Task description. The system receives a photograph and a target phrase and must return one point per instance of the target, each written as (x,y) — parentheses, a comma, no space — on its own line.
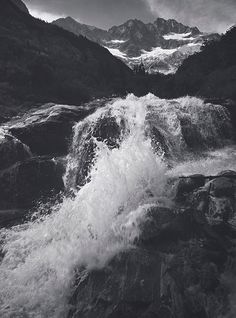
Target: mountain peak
(173,26)
(161,45)
(70,19)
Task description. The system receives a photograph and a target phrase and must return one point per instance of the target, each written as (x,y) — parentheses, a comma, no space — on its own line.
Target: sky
(207,15)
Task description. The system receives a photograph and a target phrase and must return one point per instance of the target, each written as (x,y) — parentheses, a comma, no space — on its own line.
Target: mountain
(161,46)
(212,72)
(41,62)
(20,4)
(88,31)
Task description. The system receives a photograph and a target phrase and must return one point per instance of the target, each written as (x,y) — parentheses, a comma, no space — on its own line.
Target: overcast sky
(208,15)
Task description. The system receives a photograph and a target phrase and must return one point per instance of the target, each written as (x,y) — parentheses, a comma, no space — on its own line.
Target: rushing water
(120,160)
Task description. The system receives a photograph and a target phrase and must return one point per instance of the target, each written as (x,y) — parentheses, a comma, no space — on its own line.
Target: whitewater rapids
(156,139)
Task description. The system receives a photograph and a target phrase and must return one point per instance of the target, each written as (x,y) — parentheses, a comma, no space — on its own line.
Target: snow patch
(117,53)
(156,52)
(179,36)
(116,41)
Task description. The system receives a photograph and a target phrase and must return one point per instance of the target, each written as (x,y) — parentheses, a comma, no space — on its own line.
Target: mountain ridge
(40,62)
(21,5)
(135,41)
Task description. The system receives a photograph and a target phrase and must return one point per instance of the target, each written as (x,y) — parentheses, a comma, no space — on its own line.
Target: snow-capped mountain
(161,46)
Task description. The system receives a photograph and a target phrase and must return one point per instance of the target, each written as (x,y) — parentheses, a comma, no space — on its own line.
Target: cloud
(46,16)
(208,15)
(101,13)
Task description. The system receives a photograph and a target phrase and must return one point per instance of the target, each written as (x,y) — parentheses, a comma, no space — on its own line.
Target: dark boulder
(156,226)
(175,268)
(216,199)
(228,173)
(160,277)
(23,184)
(84,147)
(48,130)
(124,289)
(222,187)
(11,151)
(191,134)
(187,185)
(9,218)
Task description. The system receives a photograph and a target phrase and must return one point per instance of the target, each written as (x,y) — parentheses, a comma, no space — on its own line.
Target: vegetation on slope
(40,62)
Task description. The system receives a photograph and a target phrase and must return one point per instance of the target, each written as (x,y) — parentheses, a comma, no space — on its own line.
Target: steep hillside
(41,62)
(20,4)
(90,32)
(161,46)
(212,72)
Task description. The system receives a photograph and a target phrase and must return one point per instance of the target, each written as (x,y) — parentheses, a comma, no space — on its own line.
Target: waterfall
(117,168)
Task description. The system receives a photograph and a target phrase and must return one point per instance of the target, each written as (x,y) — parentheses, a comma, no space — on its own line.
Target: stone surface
(187,185)
(9,218)
(175,268)
(23,184)
(126,288)
(12,151)
(47,130)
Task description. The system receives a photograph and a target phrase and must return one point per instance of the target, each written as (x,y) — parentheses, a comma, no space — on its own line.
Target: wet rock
(9,218)
(199,201)
(222,187)
(191,134)
(11,151)
(156,225)
(221,209)
(187,185)
(47,131)
(190,283)
(217,199)
(160,141)
(23,184)
(227,173)
(164,228)
(108,130)
(84,147)
(124,289)
(177,278)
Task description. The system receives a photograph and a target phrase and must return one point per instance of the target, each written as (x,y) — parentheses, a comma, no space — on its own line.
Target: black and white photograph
(117,158)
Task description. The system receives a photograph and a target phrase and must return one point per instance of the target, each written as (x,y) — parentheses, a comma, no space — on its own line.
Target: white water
(103,218)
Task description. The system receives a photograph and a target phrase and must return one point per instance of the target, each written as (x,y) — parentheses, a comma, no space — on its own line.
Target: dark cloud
(101,13)
(208,15)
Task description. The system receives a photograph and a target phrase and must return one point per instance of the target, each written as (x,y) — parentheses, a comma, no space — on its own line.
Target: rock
(227,173)
(221,209)
(23,184)
(217,199)
(11,151)
(190,282)
(124,289)
(191,134)
(9,218)
(222,187)
(47,131)
(156,225)
(178,279)
(199,201)
(108,130)
(83,150)
(187,185)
